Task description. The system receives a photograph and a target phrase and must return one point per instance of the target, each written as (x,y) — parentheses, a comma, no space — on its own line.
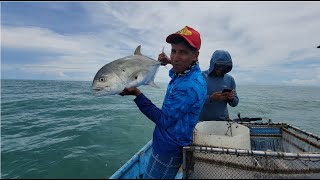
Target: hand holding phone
(226,90)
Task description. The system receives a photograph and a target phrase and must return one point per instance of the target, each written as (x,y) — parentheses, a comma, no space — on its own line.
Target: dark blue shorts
(162,167)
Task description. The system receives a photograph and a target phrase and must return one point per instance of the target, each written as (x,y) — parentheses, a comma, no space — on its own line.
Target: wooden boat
(278,150)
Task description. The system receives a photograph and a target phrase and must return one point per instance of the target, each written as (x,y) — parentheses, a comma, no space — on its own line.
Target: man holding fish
(184,99)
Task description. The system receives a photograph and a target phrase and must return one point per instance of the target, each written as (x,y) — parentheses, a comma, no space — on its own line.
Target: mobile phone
(226,90)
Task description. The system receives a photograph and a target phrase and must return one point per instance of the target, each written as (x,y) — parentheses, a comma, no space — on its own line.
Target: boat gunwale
(131,162)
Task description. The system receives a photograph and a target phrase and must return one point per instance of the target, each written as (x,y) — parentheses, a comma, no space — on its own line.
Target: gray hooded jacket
(217,110)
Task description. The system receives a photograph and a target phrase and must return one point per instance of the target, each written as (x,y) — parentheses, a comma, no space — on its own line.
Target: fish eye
(123,70)
(101,79)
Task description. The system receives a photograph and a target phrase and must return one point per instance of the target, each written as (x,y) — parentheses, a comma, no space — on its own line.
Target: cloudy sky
(270,42)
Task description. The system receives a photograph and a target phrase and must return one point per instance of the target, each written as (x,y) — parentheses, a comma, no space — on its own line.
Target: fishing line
(262,112)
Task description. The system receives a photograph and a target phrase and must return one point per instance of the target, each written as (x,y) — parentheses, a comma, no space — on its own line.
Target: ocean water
(58,129)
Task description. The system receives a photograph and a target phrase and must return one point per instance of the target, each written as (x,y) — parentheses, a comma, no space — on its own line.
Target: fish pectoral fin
(135,76)
(154,85)
(138,76)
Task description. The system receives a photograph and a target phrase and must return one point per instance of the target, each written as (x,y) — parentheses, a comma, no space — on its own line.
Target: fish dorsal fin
(138,51)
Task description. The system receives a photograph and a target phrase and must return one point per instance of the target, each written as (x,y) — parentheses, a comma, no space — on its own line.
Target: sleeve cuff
(139,98)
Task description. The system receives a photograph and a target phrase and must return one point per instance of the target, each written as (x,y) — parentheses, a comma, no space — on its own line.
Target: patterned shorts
(162,167)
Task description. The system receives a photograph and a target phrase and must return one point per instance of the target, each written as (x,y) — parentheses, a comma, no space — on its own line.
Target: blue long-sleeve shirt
(217,110)
(180,111)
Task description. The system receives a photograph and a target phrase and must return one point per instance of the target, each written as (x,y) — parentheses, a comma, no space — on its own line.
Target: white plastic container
(222,134)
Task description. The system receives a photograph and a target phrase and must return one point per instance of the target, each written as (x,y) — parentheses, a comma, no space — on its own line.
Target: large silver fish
(126,72)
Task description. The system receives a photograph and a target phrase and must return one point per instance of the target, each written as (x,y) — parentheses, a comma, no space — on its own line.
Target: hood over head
(221,57)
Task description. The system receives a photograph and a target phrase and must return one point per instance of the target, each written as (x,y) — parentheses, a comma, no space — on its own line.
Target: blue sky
(270,42)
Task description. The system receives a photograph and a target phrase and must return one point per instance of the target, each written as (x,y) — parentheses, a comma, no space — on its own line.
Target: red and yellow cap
(189,34)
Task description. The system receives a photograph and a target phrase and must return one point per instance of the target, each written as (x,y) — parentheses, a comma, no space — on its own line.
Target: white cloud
(86,53)
(43,39)
(256,34)
(259,35)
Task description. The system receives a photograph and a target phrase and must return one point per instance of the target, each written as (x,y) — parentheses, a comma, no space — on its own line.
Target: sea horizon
(238,84)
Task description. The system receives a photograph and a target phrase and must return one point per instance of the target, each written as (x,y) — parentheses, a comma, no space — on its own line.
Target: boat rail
(278,151)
